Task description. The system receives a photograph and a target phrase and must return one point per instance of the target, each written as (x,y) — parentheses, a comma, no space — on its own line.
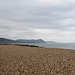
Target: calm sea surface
(55,45)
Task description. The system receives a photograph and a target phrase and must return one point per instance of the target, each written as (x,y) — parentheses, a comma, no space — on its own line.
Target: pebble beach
(25,60)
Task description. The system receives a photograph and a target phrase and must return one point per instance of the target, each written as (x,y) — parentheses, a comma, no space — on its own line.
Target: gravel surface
(23,60)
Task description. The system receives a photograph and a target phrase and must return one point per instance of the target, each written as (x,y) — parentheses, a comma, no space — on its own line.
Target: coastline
(34,60)
(33,45)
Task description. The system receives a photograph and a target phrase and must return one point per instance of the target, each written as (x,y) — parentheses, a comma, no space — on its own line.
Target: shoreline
(35,46)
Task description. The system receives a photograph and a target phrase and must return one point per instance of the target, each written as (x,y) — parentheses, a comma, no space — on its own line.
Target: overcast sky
(50,20)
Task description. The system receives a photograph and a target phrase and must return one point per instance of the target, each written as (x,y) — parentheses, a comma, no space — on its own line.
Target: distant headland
(5,40)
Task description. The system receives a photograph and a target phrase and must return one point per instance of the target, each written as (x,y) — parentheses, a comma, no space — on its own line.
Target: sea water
(55,45)
(52,45)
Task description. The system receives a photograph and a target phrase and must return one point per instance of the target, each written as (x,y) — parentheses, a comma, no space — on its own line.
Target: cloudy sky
(50,20)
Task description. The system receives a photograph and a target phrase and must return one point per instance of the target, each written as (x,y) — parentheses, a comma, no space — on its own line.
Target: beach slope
(24,60)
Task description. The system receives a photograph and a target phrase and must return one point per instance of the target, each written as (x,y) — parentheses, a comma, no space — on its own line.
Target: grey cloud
(23,16)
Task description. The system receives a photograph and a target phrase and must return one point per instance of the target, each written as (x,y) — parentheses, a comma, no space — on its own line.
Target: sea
(54,45)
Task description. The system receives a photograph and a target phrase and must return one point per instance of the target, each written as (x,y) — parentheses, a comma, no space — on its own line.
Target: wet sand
(25,60)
